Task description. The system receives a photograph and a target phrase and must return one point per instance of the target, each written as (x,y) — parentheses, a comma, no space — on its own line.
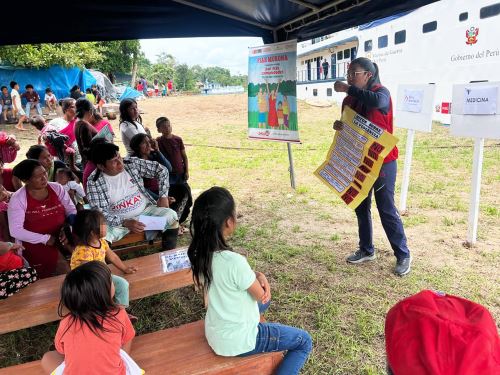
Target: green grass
(300,239)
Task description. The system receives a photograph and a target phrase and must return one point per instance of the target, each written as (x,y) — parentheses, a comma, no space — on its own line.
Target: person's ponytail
(375,79)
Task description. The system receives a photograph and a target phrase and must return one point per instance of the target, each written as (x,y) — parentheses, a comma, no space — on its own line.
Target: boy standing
(33,99)
(172,147)
(16,102)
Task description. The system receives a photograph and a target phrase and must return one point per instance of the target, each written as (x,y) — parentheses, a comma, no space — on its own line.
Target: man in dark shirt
(325,67)
(32,99)
(172,147)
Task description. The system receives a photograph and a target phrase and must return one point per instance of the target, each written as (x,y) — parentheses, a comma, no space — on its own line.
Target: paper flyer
(355,157)
(174,260)
(272,92)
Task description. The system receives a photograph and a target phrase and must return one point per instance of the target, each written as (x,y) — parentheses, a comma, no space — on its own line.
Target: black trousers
(183,200)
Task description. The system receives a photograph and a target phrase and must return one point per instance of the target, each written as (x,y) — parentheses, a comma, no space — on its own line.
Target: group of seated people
(40,196)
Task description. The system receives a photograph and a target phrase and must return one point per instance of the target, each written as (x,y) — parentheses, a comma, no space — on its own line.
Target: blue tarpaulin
(59,79)
(130,93)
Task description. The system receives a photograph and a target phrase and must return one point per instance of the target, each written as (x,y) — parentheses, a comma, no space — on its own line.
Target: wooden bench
(37,303)
(133,242)
(180,350)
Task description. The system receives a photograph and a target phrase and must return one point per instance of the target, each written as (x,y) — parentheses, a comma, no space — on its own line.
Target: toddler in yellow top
(89,231)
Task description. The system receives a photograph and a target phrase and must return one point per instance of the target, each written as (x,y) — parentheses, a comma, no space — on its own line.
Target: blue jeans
(38,109)
(274,337)
(391,221)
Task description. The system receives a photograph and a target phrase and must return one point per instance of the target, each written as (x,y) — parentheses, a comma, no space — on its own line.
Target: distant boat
(445,43)
(222,90)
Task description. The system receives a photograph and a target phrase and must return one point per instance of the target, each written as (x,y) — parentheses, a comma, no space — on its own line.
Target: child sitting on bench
(236,294)
(95,334)
(89,230)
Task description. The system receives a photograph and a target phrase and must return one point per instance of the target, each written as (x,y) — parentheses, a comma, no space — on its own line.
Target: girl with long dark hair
(130,122)
(95,333)
(236,295)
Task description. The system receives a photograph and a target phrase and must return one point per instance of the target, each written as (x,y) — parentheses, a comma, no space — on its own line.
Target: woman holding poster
(367,96)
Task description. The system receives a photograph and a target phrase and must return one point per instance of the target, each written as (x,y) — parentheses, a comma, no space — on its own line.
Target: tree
(184,79)
(46,55)
(118,56)
(164,68)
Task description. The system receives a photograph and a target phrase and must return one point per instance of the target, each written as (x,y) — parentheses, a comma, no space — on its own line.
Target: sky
(230,53)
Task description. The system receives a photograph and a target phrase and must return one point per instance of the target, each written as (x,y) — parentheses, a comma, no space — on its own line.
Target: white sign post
(413,112)
(475,114)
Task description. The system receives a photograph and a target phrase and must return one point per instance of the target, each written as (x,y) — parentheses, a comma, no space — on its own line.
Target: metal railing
(317,74)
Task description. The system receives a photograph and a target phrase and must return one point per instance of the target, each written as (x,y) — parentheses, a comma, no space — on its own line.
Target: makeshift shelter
(104,85)
(59,79)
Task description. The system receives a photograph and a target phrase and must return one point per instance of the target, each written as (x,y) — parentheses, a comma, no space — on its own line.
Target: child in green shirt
(235,294)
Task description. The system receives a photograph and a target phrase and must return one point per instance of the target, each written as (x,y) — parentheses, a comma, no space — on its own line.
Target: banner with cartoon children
(272,100)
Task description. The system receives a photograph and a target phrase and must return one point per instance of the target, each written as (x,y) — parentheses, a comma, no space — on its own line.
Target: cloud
(230,53)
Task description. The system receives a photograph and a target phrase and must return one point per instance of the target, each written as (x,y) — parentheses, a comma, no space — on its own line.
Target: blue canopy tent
(130,93)
(275,20)
(59,79)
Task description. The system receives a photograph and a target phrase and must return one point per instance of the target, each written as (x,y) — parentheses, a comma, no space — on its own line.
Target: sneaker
(403,266)
(360,256)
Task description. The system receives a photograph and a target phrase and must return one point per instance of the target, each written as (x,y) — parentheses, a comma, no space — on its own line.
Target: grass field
(300,239)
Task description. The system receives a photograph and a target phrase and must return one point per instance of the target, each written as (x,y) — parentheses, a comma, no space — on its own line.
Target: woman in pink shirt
(37,213)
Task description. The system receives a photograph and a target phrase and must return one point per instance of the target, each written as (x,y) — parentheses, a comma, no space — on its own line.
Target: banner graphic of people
(272,88)
(355,157)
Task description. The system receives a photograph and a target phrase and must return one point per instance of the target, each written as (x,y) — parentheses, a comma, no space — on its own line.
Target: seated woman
(42,154)
(14,273)
(144,147)
(117,190)
(37,213)
(8,185)
(130,122)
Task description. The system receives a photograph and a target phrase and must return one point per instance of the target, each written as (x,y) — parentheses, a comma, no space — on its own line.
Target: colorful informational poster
(272,98)
(355,157)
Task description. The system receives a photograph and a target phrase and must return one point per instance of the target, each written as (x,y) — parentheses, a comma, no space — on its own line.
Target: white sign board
(414,107)
(474,111)
(480,100)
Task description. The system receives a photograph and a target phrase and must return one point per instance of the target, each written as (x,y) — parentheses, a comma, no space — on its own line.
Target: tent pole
(288,145)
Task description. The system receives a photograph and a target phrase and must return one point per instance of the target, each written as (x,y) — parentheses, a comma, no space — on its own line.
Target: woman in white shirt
(130,122)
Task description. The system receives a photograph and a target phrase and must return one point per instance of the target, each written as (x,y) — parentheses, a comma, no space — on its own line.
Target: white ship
(445,43)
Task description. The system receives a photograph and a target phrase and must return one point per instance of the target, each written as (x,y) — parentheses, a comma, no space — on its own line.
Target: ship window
(368,45)
(347,53)
(339,55)
(490,11)
(382,41)
(315,92)
(463,16)
(429,27)
(329,92)
(400,37)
